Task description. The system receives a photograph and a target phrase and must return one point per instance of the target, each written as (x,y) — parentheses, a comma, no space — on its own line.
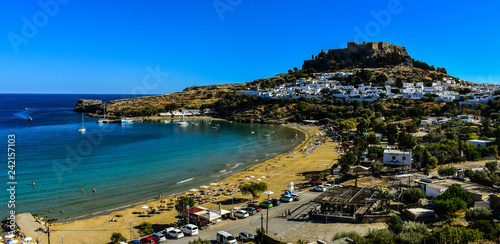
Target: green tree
(457,191)
(346,161)
(171,106)
(253,188)
(391,133)
(395,224)
(492,166)
(412,232)
(412,195)
(488,227)
(376,167)
(117,237)
(447,171)
(183,203)
(145,228)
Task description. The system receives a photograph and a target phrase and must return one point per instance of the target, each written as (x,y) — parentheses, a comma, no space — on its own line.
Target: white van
(224,237)
(190,229)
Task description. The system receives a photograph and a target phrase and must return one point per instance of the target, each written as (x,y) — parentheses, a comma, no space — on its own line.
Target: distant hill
(384,61)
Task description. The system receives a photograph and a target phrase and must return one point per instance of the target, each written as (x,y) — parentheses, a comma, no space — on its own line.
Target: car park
(241,213)
(190,229)
(295,196)
(276,202)
(266,204)
(251,210)
(257,207)
(158,237)
(148,240)
(175,233)
(245,236)
(224,237)
(319,188)
(286,198)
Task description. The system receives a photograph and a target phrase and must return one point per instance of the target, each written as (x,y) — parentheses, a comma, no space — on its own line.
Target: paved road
(277,224)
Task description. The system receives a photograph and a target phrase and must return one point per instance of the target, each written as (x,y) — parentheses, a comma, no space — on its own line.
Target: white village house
(397,157)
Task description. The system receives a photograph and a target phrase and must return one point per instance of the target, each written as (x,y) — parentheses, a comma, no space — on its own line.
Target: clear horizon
(70,47)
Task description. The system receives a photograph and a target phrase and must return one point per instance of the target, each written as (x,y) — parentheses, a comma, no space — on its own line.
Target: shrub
(412,195)
(447,171)
(379,236)
(488,227)
(199,241)
(448,207)
(395,224)
(478,214)
(117,237)
(353,235)
(451,234)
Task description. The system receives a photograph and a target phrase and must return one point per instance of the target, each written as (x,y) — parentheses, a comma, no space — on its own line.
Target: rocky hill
(382,59)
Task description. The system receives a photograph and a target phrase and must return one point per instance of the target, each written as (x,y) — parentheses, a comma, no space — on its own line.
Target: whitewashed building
(397,157)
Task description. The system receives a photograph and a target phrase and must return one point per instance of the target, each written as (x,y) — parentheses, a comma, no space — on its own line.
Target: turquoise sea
(126,164)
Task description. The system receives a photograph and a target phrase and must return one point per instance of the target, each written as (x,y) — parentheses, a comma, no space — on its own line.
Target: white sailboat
(100,121)
(82,130)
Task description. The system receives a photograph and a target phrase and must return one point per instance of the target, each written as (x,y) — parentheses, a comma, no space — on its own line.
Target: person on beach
(93,190)
(83,190)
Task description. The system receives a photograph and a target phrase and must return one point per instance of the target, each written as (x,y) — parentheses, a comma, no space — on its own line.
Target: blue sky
(156,47)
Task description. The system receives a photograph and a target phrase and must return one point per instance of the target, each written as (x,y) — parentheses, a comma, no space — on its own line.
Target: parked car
(245,236)
(224,237)
(190,229)
(328,186)
(319,188)
(255,206)
(266,204)
(175,233)
(148,240)
(296,196)
(251,210)
(286,198)
(134,242)
(241,213)
(276,202)
(158,237)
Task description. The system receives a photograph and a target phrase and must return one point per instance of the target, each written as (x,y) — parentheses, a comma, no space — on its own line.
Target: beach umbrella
(9,236)
(258,179)
(28,239)
(247,178)
(194,190)
(13,242)
(204,187)
(263,177)
(213,184)
(145,207)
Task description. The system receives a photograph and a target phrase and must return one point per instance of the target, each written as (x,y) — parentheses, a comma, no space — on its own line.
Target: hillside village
(326,83)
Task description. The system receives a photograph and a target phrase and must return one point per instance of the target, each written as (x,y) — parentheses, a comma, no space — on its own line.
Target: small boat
(126,121)
(100,121)
(194,123)
(252,132)
(267,135)
(82,130)
(30,119)
(183,123)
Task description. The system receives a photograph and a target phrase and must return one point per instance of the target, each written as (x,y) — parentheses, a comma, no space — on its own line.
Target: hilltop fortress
(368,49)
(368,54)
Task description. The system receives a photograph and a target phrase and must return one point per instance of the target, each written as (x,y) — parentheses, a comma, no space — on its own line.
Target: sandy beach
(278,172)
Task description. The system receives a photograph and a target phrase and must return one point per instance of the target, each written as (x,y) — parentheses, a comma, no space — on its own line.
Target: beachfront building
(397,157)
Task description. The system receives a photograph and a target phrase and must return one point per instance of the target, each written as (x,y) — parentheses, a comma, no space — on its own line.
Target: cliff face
(88,105)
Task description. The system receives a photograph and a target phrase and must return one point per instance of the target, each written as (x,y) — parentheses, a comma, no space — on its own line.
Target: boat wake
(186,180)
